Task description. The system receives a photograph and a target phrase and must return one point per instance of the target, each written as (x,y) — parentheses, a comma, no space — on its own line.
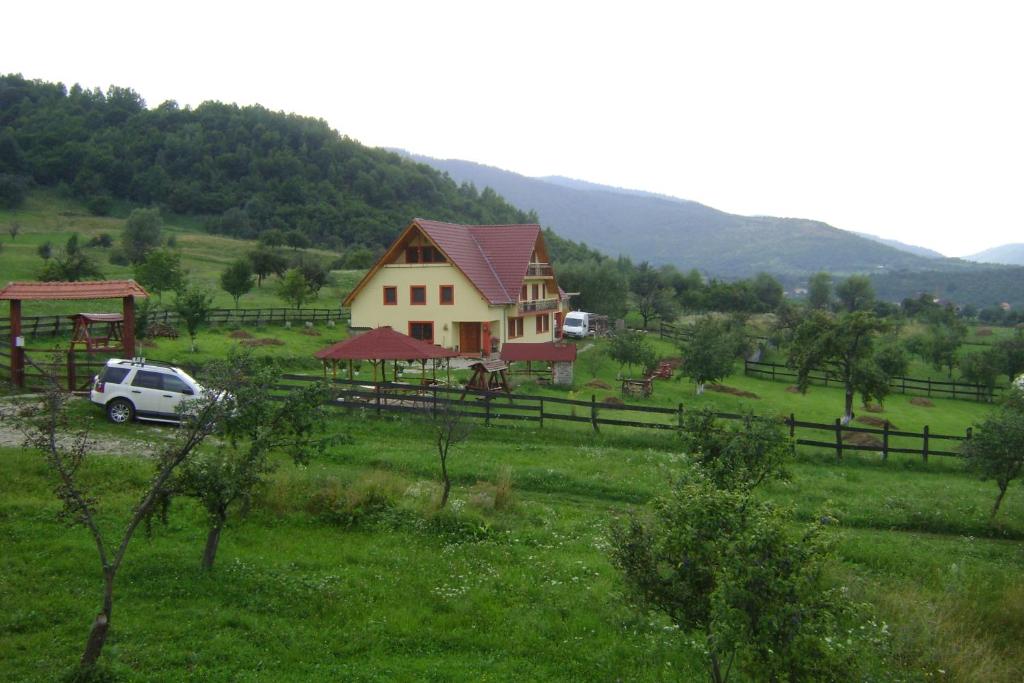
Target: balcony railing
(539,270)
(538,306)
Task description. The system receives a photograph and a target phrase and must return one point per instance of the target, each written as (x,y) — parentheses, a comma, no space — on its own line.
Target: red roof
(383,343)
(493,257)
(545,351)
(66,291)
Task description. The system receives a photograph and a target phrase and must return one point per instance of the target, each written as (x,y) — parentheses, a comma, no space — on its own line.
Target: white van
(581,324)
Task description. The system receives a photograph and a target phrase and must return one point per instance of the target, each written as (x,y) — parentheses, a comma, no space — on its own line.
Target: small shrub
(503,496)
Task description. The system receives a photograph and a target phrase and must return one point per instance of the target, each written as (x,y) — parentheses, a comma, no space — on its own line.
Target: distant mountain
(1006,254)
(909,248)
(659,229)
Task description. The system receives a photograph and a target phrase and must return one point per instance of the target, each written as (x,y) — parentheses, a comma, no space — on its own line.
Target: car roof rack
(142,362)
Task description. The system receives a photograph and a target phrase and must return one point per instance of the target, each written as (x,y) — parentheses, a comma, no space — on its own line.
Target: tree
(296,239)
(317,276)
(451,426)
(1011,353)
(45,250)
(652,295)
(996,449)
(841,347)
(193,305)
(819,291)
(709,350)
(252,426)
(768,291)
(13,229)
(266,262)
(982,368)
(142,233)
(855,293)
(739,455)
(939,344)
(71,264)
(65,457)
(629,348)
(272,238)
(237,279)
(160,271)
(723,567)
(295,289)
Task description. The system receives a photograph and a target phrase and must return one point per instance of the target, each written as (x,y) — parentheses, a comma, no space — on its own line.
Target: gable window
(412,254)
(418,295)
(391,296)
(515,328)
(425,254)
(446,295)
(543,323)
(422,330)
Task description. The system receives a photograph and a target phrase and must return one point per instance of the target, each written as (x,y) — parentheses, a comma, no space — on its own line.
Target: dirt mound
(793,389)
(874,408)
(918,401)
(733,391)
(598,384)
(161,330)
(262,342)
(983,332)
(874,421)
(612,401)
(861,439)
(240,334)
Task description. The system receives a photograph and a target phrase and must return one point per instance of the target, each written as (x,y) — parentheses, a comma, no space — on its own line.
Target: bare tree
(451,426)
(49,430)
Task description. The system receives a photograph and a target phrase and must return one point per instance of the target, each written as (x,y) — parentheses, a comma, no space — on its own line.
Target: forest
(245,169)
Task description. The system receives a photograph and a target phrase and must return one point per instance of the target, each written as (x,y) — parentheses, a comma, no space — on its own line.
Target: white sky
(902,119)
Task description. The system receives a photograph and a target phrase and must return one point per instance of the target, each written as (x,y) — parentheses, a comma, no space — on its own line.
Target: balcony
(539,270)
(538,306)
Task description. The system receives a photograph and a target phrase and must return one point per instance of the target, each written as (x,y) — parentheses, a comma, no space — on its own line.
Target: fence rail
(389,397)
(904,385)
(54,325)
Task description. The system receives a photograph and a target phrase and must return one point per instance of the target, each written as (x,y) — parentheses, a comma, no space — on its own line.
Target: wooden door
(469,337)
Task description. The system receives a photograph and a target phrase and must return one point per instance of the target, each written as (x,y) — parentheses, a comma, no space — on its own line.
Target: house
(469,288)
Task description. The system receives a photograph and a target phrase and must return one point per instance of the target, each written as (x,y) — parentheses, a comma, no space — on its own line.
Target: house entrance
(469,338)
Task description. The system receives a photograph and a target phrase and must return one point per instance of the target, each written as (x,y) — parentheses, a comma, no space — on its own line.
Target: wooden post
(924,449)
(792,425)
(679,416)
(377,387)
(17,352)
(839,440)
(885,441)
(542,413)
(593,411)
(929,387)
(128,331)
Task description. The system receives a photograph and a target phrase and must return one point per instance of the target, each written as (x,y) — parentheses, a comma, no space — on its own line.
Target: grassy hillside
(344,570)
(46,216)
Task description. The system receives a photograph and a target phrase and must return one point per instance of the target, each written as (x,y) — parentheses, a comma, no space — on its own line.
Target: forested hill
(247,168)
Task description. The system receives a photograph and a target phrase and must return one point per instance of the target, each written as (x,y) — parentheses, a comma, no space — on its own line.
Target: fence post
(487,410)
(924,449)
(839,440)
(593,411)
(792,425)
(679,416)
(929,387)
(885,441)
(542,413)
(433,401)
(377,398)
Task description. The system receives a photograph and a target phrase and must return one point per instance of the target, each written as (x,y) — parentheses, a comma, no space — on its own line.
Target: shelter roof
(66,291)
(383,343)
(99,317)
(490,365)
(544,351)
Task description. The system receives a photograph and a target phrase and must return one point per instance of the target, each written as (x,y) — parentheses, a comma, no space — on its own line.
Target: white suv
(129,389)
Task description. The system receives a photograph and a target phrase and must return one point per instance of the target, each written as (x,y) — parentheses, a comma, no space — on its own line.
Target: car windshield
(573,320)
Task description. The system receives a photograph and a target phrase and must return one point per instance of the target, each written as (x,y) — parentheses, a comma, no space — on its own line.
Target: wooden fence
(903,385)
(55,325)
(389,397)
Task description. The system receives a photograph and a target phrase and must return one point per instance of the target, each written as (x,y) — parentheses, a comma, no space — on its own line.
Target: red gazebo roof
(383,343)
(67,291)
(544,351)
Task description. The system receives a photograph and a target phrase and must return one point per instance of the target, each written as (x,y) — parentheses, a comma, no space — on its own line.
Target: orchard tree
(450,427)
(13,229)
(996,449)
(740,455)
(49,430)
(819,291)
(237,279)
(855,293)
(252,427)
(193,305)
(142,234)
(266,262)
(160,271)
(629,348)
(1011,354)
(982,368)
(842,347)
(710,350)
(45,250)
(725,569)
(71,264)
(652,294)
(295,289)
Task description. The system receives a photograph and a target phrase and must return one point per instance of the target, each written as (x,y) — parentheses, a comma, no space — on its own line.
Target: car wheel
(120,411)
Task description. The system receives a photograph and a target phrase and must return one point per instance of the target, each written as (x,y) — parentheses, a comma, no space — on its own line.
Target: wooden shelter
(16,292)
(559,356)
(488,375)
(381,345)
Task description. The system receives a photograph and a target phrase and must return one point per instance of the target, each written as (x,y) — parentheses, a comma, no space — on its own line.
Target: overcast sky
(901,119)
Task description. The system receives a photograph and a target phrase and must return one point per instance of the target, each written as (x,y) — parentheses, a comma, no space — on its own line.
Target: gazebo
(561,357)
(381,345)
(16,292)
